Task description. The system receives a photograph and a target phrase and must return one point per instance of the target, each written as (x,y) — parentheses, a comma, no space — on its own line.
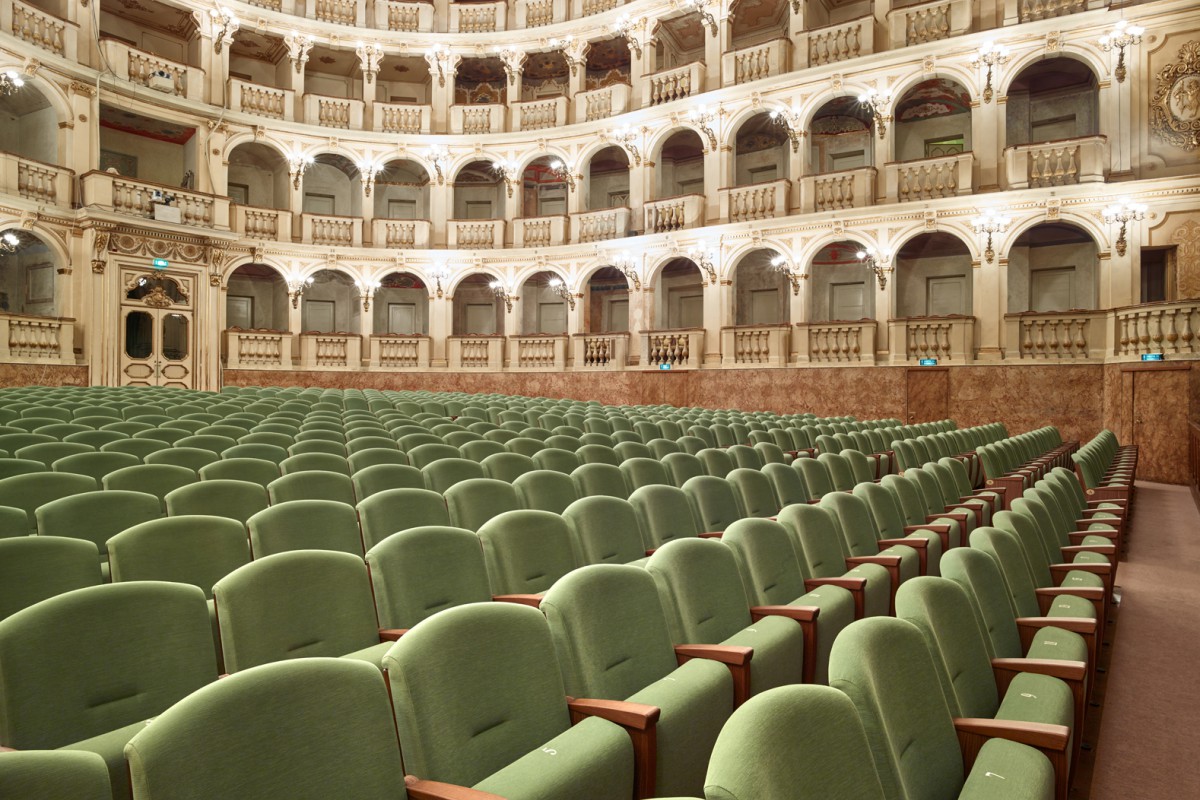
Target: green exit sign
(160,263)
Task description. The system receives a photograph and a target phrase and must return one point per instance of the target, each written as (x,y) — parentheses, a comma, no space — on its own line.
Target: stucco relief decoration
(1186,238)
(127,244)
(1175,107)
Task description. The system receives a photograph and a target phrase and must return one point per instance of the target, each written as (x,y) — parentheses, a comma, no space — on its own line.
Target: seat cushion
(111,747)
(1068,605)
(372,655)
(1004,770)
(1057,644)
(1037,698)
(778,645)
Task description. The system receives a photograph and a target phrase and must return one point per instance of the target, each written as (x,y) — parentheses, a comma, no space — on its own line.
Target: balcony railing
(402,118)
(42,340)
(673,349)
(851,188)
(330,351)
(392,15)
(477,119)
(760,201)
(1066,335)
(1157,328)
(674,84)
(674,213)
(397,351)
(534,115)
(145,69)
(759,61)
(478,234)
(401,234)
(929,22)
(929,178)
(330,230)
(839,42)
(265,101)
(536,13)
(33,25)
(475,352)
(600,350)
(34,180)
(538,351)
(836,342)
(258,349)
(602,103)
(1059,163)
(131,196)
(267,224)
(1034,10)
(596,226)
(477,17)
(333,112)
(340,12)
(539,231)
(585,8)
(756,345)
(950,338)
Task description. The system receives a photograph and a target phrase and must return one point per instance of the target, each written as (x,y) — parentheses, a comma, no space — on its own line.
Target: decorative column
(441,198)
(514,69)
(796,33)
(575,52)
(718,35)
(442,68)
(441,317)
(370,57)
(299,45)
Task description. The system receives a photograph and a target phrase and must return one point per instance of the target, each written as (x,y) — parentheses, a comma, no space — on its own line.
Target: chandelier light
(782,264)
(225,24)
(877,104)
(297,284)
(704,257)
(789,118)
(876,262)
(503,292)
(989,224)
(988,56)
(10,82)
(1122,35)
(1123,212)
(624,262)
(560,288)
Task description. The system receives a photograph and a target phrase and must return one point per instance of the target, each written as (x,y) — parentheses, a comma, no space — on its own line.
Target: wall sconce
(559,170)
(514,62)
(298,164)
(1123,212)
(440,273)
(225,25)
(438,155)
(789,118)
(298,46)
(877,104)
(626,137)
(296,287)
(624,262)
(369,57)
(628,27)
(989,55)
(704,258)
(876,261)
(702,118)
(780,263)
(367,289)
(438,58)
(1123,35)
(698,6)
(10,82)
(507,170)
(9,242)
(574,51)
(503,292)
(990,224)
(559,288)
(369,170)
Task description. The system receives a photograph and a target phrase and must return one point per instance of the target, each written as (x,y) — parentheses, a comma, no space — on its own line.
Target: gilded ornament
(1175,107)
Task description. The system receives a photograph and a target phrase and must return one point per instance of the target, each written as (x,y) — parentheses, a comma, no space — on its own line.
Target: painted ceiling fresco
(120,120)
(936,97)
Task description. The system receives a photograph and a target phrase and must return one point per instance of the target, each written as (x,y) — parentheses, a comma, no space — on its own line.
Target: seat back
(787,483)
(606,529)
(473,502)
(553,458)
(816,539)
(96,516)
(683,466)
(33,568)
(980,577)
(526,551)
(665,513)
(386,512)
(96,465)
(32,490)
(816,476)
(1006,550)
(50,775)
(754,492)
(382,477)
(596,479)
(422,570)
(717,463)
(716,503)
(194,549)
(305,525)
(239,500)
(701,590)
(312,485)
(855,522)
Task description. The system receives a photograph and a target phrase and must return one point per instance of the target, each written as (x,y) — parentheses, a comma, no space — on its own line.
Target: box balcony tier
(672,349)
(477,119)
(674,213)
(673,84)
(834,43)
(34,180)
(402,118)
(756,345)
(758,61)
(536,13)
(406,17)
(475,234)
(543,351)
(336,351)
(267,224)
(476,352)
(607,101)
(1058,163)
(264,101)
(478,17)
(40,29)
(37,340)
(333,112)
(137,66)
(401,234)
(837,342)
(146,200)
(928,22)
(928,178)
(833,191)
(330,230)
(539,231)
(400,351)
(339,12)
(1056,335)
(949,339)
(258,349)
(599,351)
(596,226)
(759,201)
(536,115)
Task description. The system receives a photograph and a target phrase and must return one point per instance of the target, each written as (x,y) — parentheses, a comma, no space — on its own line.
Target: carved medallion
(1175,108)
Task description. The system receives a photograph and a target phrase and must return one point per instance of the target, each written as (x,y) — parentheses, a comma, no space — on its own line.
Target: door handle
(1138,420)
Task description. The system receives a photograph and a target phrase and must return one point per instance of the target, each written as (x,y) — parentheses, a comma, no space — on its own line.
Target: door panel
(552,317)
(1052,289)
(691,311)
(1158,410)
(402,318)
(319,316)
(928,394)
(846,301)
(618,316)
(157,350)
(481,318)
(946,295)
(764,307)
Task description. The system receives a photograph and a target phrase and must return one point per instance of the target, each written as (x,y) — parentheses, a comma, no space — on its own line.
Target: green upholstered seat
(754,492)
(196,549)
(13,522)
(558,459)
(266,733)
(54,775)
(31,490)
(386,512)
(861,537)
(607,530)
(95,465)
(267,451)
(312,485)
(49,452)
(705,603)
(473,502)
(295,605)
(215,444)
(888,515)
(33,568)
(628,450)
(612,641)
(422,455)
(665,514)
(639,472)
(95,438)
(233,499)
(598,454)
(546,490)
(817,479)
(305,525)
(148,645)
(381,477)
(97,517)
(526,551)
(479,701)
(507,466)
(156,479)
(311,462)
(420,571)
(600,478)
(250,470)
(480,449)
(193,458)
(302,447)
(885,668)
(716,503)
(440,475)
(787,483)
(20,466)
(793,743)
(1009,554)
(717,462)
(840,472)
(135,447)
(773,576)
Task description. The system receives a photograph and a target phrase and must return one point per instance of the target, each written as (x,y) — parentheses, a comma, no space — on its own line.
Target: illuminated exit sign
(160,263)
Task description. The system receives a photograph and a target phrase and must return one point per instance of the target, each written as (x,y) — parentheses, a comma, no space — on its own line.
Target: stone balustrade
(537,13)
(607,101)
(928,22)
(586,8)
(37,340)
(839,42)
(1055,335)
(265,101)
(1058,163)
(948,339)
(672,349)
(400,351)
(758,61)
(401,234)
(139,67)
(833,191)
(596,226)
(406,17)
(928,178)
(756,345)
(336,351)
(34,180)
(478,17)
(537,352)
(40,29)
(333,112)
(137,198)
(475,352)
(339,12)
(258,349)
(674,213)
(402,118)
(836,342)
(475,234)
(673,84)
(477,119)
(539,231)
(1033,10)
(535,115)
(266,224)
(757,201)
(331,230)
(1170,328)
(599,351)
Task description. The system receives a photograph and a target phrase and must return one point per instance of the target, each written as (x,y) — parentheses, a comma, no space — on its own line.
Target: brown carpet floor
(1148,744)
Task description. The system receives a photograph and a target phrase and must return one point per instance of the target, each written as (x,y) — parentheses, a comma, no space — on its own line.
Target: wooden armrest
(1108,550)
(1076,537)
(534,600)
(4,749)
(856,586)
(1080,625)
(436,790)
(651,551)
(735,657)
(640,722)
(1063,670)
(961,517)
(391,634)
(1096,569)
(806,616)
(942,530)
(712,535)
(916,543)
(1051,740)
